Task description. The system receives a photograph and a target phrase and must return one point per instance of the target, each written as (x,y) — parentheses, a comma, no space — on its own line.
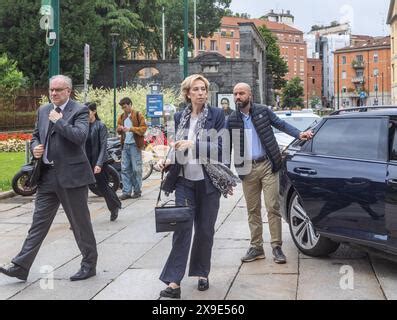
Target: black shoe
(203,284)
(114,214)
(136,195)
(171,293)
(125,196)
(84,273)
(279,256)
(253,254)
(15,271)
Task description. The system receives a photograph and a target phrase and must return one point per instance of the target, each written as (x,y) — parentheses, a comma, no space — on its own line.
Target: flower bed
(13,142)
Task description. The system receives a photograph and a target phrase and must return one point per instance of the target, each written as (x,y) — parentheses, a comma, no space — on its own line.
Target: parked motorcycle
(20,182)
(21,186)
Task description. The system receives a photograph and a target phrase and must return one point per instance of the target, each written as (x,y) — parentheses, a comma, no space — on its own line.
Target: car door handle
(307,171)
(392,181)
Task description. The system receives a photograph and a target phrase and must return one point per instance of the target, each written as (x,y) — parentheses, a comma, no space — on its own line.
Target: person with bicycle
(96,149)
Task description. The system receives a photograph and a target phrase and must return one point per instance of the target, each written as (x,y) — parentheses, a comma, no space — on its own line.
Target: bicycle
(156,148)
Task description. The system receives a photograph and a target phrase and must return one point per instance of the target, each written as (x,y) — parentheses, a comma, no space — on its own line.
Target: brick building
(314,80)
(362,73)
(290,40)
(392,21)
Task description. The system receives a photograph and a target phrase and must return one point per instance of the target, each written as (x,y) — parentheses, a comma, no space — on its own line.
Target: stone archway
(212,94)
(145,76)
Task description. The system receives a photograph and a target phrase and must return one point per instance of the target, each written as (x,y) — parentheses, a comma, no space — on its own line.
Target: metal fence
(21,113)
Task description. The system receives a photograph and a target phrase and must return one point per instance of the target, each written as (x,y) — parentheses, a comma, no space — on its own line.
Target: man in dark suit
(59,139)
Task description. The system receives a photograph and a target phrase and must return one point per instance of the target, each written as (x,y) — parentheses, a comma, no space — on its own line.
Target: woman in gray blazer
(96,149)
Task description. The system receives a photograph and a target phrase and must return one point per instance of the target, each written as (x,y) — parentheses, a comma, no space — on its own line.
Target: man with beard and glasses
(257,159)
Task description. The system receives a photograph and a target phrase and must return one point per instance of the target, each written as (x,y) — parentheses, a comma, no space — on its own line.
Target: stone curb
(7,194)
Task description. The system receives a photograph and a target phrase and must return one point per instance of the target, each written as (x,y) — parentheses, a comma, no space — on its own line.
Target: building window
(237,47)
(313,81)
(344,60)
(360,58)
(344,90)
(213,45)
(227,46)
(344,75)
(376,87)
(359,73)
(376,58)
(376,72)
(313,68)
(202,45)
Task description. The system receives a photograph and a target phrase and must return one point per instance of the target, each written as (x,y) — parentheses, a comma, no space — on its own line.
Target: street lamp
(376,90)
(122,75)
(114,46)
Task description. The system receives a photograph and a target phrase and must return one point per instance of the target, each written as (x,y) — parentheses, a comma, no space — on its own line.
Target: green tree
(209,15)
(314,102)
(11,79)
(292,94)
(276,66)
(24,41)
(229,13)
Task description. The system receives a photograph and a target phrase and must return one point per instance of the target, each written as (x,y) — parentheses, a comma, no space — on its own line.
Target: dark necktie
(50,132)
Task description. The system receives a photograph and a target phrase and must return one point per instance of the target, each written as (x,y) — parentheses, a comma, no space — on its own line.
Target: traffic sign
(154,105)
(363,95)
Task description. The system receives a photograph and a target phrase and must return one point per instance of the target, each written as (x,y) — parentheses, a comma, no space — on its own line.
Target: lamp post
(122,75)
(114,46)
(383,91)
(376,90)
(185,38)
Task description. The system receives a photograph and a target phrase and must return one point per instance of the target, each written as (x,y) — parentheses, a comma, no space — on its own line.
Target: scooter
(21,185)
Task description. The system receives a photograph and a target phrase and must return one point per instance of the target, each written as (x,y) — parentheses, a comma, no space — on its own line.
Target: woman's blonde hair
(187,84)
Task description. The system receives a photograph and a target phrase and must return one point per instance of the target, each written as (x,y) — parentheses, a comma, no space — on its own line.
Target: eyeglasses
(57,90)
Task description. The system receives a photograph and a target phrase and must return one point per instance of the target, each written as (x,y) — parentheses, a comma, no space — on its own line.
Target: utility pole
(54,35)
(383,90)
(195,28)
(114,46)
(337,81)
(185,38)
(163,33)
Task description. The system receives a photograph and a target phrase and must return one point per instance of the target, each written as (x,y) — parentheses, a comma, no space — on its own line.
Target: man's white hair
(65,79)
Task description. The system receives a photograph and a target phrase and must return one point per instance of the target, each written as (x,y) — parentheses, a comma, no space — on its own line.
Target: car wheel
(304,233)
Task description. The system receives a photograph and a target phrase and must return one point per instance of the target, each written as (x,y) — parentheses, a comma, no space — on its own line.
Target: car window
(301,123)
(393,134)
(361,138)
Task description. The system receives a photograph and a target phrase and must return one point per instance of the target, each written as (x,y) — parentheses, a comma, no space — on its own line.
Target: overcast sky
(367,17)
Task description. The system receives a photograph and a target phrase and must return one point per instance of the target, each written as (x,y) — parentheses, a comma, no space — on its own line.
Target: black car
(342,185)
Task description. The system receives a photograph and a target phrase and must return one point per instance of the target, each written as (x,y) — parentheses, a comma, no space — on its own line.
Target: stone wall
(222,73)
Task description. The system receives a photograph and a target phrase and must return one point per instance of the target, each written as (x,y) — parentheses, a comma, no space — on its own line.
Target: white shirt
(193,170)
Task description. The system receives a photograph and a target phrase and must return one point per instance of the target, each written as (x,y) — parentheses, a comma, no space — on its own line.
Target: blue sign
(363,95)
(154,105)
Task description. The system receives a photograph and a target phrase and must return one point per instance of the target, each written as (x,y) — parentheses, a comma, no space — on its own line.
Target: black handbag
(172,218)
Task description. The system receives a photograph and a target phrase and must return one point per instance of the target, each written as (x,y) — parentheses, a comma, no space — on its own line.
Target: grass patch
(10,163)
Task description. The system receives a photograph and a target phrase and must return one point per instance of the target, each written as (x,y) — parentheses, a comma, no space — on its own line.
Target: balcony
(358,80)
(356,64)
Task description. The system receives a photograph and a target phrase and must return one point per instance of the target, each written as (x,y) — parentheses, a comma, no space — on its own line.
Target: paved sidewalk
(131,256)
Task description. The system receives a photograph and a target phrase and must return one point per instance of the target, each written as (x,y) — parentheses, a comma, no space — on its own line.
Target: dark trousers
(111,198)
(205,208)
(74,201)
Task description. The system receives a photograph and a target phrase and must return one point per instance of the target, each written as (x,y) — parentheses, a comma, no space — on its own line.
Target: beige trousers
(263,179)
